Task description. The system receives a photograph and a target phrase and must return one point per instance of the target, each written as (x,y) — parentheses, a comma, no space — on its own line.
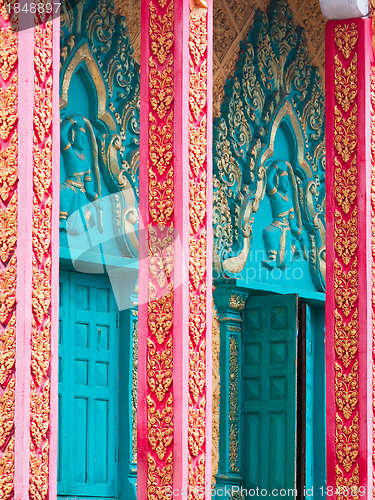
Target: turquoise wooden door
(269,392)
(88,387)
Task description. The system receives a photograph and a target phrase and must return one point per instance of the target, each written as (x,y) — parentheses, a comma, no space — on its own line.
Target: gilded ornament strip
(160,242)
(233,404)
(198,41)
(8,245)
(40,385)
(345,258)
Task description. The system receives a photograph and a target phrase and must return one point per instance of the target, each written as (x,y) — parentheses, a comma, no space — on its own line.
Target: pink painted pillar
(29,242)
(349,345)
(174,358)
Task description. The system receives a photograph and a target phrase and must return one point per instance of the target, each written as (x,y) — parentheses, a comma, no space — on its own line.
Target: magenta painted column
(174,358)
(349,58)
(29,253)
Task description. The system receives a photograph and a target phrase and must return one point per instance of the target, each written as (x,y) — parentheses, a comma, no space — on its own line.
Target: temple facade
(187,249)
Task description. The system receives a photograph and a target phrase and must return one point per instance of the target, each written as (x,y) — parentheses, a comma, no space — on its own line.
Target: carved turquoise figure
(283,237)
(78,189)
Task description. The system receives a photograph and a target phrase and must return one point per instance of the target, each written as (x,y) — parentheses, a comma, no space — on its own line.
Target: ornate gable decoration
(96,50)
(275,97)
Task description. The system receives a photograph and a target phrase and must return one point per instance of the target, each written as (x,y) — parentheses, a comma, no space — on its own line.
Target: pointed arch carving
(274,85)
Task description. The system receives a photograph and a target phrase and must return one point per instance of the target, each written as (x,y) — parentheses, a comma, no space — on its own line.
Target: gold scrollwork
(160,314)
(197,435)
(160,142)
(161,253)
(8,104)
(161,87)
(159,368)
(346,286)
(160,426)
(8,51)
(237,302)
(346,389)
(344,484)
(346,36)
(161,32)
(233,404)
(346,338)
(8,168)
(346,83)
(345,188)
(347,442)
(8,230)
(158,477)
(161,201)
(345,133)
(346,236)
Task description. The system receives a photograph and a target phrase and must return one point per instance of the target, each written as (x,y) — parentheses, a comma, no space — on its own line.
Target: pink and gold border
(348,299)
(174,360)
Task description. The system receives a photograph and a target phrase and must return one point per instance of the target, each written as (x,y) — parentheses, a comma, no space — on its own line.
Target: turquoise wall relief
(99,107)
(269,162)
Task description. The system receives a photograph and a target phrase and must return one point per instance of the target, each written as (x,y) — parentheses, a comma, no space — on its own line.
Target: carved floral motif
(161,239)
(197,250)
(346,247)
(41,266)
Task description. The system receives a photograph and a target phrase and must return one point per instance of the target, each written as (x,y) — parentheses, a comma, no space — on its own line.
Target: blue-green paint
(88,387)
(269,392)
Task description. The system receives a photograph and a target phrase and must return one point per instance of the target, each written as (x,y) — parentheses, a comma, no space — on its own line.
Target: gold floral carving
(7,471)
(347,442)
(346,83)
(41,265)
(237,302)
(159,478)
(161,240)
(161,88)
(343,483)
(346,338)
(159,368)
(43,108)
(346,389)
(160,315)
(346,236)
(345,133)
(161,33)
(197,250)
(346,37)
(346,243)
(197,435)
(161,202)
(161,253)
(215,392)
(346,286)
(8,106)
(8,168)
(8,52)
(159,428)
(160,143)
(345,187)
(8,230)
(233,404)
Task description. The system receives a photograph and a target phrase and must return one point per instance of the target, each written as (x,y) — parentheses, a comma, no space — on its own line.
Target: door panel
(269,392)
(88,387)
